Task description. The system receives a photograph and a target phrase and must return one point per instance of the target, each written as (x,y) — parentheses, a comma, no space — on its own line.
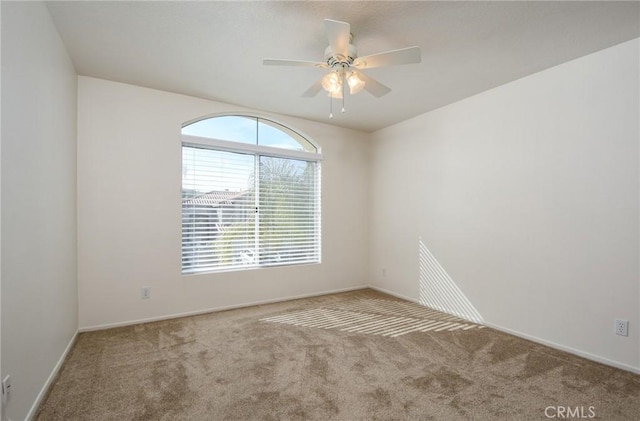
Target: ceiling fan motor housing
(337,61)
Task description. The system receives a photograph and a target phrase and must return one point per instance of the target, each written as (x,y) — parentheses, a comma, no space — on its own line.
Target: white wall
(129,184)
(527,196)
(39,288)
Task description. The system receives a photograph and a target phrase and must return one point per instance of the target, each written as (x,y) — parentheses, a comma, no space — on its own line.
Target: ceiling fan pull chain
(343,97)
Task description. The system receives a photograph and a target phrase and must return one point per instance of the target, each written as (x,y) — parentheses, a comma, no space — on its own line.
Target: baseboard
(45,388)
(565,348)
(395,294)
(535,339)
(554,345)
(216,309)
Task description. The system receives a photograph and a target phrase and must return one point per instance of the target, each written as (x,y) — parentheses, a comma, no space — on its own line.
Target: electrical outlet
(384,272)
(146,293)
(6,388)
(622,327)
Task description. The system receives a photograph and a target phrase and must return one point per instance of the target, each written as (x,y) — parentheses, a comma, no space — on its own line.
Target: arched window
(250,195)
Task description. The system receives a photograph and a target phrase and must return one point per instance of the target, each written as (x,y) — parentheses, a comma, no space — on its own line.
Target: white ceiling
(214,50)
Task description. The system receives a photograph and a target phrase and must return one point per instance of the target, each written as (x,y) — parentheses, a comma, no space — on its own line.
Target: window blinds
(242,210)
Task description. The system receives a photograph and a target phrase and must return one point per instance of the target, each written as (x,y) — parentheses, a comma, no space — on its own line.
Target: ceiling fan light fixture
(355,83)
(332,83)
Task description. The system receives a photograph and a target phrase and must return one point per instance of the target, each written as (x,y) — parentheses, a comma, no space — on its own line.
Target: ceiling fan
(345,67)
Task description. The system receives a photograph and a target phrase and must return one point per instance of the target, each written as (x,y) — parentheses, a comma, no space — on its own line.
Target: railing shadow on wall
(438,291)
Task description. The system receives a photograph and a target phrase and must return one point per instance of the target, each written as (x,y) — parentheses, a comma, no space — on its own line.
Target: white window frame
(230,146)
(257,151)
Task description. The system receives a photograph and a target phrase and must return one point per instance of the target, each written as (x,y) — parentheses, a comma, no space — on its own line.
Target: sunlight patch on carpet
(375,317)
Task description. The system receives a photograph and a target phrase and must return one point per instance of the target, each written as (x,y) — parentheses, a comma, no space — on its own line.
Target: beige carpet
(353,356)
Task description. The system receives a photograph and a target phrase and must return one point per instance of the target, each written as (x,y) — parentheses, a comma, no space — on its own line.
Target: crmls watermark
(565,412)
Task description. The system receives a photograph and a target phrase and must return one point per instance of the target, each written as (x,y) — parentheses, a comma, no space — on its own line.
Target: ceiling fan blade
(338,34)
(313,89)
(296,63)
(407,55)
(374,87)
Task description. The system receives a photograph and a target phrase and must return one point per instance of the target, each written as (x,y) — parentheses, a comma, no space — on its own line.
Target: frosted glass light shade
(332,83)
(355,83)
